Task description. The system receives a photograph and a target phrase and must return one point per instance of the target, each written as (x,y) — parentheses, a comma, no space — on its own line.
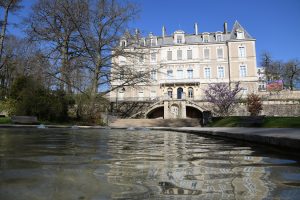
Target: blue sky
(274,23)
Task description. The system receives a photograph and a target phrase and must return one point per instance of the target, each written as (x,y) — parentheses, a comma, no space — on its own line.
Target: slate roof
(168,40)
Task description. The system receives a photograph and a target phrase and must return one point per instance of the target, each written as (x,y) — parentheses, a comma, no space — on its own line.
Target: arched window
(179,93)
(190,92)
(170,93)
(123,43)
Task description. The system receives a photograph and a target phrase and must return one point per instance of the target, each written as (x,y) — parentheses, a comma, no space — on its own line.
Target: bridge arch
(193,112)
(155,112)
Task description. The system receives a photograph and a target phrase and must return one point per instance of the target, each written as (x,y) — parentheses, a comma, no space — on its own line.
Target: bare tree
(100,43)
(291,73)
(273,68)
(7,6)
(50,24)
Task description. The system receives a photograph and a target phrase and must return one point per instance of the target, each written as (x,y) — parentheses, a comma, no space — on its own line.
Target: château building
(181,65)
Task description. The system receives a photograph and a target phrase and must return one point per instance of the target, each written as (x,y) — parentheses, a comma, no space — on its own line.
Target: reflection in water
(138,164)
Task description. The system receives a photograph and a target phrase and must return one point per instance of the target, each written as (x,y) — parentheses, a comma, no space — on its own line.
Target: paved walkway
(282,137)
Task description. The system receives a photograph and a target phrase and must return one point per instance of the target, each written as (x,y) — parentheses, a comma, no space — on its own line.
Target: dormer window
(179,39)
(218,37)
(153,42)
(123,43)
(205,38)
(240,34)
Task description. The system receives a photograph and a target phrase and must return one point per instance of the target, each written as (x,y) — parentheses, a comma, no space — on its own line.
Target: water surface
(119,164)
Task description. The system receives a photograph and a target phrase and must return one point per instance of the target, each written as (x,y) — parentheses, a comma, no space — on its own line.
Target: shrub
(254,104)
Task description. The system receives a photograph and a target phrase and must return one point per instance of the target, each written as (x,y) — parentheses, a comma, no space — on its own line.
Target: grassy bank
(267,122)
(5,120)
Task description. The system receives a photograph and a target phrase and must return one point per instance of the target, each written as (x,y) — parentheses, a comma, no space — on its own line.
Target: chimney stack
(163,31)
(225,27)
(196,28)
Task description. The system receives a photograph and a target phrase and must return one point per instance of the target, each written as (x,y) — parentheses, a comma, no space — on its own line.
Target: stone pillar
(183,109)
(166,110)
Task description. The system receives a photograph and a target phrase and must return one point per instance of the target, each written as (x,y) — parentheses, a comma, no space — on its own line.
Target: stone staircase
(124,123)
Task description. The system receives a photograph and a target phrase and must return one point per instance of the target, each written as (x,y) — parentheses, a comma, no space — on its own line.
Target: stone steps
(118,123)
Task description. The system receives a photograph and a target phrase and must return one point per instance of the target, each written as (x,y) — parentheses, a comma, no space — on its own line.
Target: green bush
(29,97)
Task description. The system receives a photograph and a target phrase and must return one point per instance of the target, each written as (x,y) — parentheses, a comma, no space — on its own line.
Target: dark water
(118,164)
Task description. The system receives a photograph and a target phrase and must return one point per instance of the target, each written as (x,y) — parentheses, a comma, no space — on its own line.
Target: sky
(275,24)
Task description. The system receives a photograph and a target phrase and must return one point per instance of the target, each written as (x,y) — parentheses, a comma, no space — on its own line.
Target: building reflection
(185,166)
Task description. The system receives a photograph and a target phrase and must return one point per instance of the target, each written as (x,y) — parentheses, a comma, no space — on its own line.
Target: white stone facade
(182,65)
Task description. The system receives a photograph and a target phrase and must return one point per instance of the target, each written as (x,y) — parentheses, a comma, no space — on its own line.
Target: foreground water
(118,164)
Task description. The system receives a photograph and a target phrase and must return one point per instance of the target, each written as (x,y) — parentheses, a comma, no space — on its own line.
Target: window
(170,74)
(152,42)
(221,72)
(220,53)
(153,56)
(205,38)
(140,95)
(180,74)
(152,94)
(243,71)
(179,39)
(219,38)
(153,75)
(169,55)
(240,34)
(123,43)
(206,54)
(121,75)
(206,72)
(179,54)
(189,54)
(170,93)
(242,52)
(190,73)
(191,92)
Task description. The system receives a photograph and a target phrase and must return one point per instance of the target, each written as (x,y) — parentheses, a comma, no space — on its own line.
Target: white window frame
(240,34)
(218,53)
(191,54)
(206,36)
(208,53)
(151,57)
(169,51)
(240,71)
(204,72)
(221,38)
(179,74)
(179,58)
(171,76)
(239,52)
(219,70)
(190,75)
(190,95)
(153,74)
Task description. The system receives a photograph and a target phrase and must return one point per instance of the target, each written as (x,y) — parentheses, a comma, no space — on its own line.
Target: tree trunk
(65,68)
(94,91)
(3,30)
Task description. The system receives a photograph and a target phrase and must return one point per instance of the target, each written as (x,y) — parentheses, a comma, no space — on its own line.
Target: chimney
(163,31)
(196,28)
(225,27)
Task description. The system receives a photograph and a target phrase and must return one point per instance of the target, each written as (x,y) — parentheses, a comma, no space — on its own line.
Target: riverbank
(263,122)
(288,138)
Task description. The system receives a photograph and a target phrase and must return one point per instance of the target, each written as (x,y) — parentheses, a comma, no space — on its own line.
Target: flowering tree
(222,97)
(254,105)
